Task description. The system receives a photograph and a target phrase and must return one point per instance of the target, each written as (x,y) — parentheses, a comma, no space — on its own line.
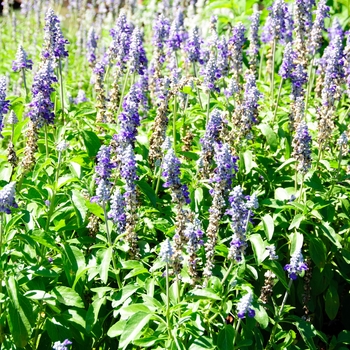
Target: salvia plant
(174,175)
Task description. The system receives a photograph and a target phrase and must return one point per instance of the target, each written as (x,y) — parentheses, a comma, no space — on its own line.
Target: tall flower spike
(244,306)
(254,44)
(117,212)
(4,104)
(302,147)
(7,198)
(211,136)
(235,46)
(41,106)
(193,46)
(166,252)
(137,55)
(54,41)
(287,65)
(296,265)
(21,61)
(316,38)
(210,73)
(91,46)
(62,346)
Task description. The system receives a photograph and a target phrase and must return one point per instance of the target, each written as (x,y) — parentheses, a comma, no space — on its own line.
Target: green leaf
(92,313)
(277,269)
(133,328)
(104,258)
(297,240)
(296,221)
(248,161)
(317,251)
(92,142)
(261,316)
(202,343)
(124,294)
(117,329)
(19,323)
(269,226)
(225,338)
(206,293)
(306,330)
(330,233)
(148,191)
(258,246)
(67,296)
(270,135)
(332,301)
(38,295)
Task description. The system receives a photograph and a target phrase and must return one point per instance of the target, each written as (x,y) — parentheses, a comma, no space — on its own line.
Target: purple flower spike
(4,104)
(54,41)
(137,55)
(91,46)
(81,97)
(62,346)
(7,198)
(21,61)
(104,164)
(287,65)
(117,212)
(193,46)
(244,306)
(296,265)
(161,30)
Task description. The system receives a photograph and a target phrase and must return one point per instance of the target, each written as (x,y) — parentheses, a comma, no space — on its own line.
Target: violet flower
(137,55)
(7,198)
(4,104)
(193,46)
(296,265)
(21,61)
(62,346)
(244,306)
(91,46)
(302,147)
(287,65)
(166,252)
(117,211)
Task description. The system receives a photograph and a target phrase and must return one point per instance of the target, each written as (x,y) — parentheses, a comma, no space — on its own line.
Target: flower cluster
(62,346)
(166,252)
(54,41)
(103,171)
(117,211)
(193,46)
(296,265)
(41,107)
(244,306)
(4,104)
(21,61)
(254,45)
(235,44)
(177,33)
(7,198)
(137,55)
(171,173)
(316,38)
(287,65)
(91,46)
(302,147)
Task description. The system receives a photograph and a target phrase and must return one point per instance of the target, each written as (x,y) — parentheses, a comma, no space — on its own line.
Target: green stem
(61,88)
(178,285)
(1,270)
(227,273)
(198,94)
(236,332)
(277,319)
(340,155)
(310,83)
(174,122)
(46,142)
(123,91)
(208,107)
(52,202)
(109,240)
(277,102)
(273,70)
(261,64)
(167,300)
(25,84)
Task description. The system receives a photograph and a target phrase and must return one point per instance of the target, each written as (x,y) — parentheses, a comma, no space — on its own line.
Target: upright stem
(273,332)
(273,70)
(174,122)
(25,84)
(208,107)
(278,100)
(61,88)
(158,180)
(123,91)
(109,240)
(46,142)
(195,74)
(167,300)
(236,332)
(340,155)
(310,83)
(1,269)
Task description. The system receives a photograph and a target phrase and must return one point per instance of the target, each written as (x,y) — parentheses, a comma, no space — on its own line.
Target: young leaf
(225,338)
(269,226)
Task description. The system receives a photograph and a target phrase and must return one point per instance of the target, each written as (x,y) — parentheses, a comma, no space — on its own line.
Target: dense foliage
(174,175)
